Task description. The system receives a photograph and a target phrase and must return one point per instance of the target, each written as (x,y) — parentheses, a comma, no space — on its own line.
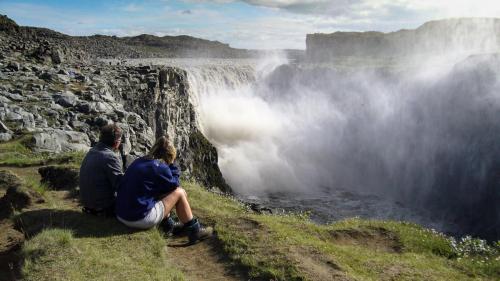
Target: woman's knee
(184,191)
(180,192)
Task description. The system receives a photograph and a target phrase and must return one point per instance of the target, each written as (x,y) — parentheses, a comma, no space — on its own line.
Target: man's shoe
(196,232)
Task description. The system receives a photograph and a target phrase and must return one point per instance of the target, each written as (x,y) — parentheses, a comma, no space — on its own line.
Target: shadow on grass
(82,225)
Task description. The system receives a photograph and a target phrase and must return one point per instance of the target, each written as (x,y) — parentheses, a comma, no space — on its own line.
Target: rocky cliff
(142,46)
(60,97)
(472,35)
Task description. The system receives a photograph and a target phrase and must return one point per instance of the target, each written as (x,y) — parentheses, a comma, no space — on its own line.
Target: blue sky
(259,24)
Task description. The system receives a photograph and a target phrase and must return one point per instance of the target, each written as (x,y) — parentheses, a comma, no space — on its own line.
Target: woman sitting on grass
(149,191)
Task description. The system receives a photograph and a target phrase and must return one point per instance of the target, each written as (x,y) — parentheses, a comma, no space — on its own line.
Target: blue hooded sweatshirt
(143,184)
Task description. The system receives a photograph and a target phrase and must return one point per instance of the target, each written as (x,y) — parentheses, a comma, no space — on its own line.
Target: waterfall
(412,142)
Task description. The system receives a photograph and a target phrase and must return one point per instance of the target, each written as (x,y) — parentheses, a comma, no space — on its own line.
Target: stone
(13,116)
(151,84)
(5,137)
(57,56)
(144,69)
(14,66)
(79,125)
(57,141)
(84,107)
(46,76)
(16,97)
(36,87)
(62,72)
(101,121)
(4,100)
(102,107)
(4,128)
(66,99)
(56,107)
(81,77)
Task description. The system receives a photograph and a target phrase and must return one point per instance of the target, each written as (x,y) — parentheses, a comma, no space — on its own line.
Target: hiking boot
(196,232)
(171,227)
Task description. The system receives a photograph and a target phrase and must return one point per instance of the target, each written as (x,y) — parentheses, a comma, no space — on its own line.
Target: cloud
(378,8)
(132,8)
(336,7)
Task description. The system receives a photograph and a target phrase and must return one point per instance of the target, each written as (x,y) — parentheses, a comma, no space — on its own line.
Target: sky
(251,24)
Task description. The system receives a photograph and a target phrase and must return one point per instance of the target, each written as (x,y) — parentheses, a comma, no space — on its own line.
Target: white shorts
(154,217)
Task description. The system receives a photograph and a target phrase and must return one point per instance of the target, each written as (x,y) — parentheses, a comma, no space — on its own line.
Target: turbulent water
(417,143)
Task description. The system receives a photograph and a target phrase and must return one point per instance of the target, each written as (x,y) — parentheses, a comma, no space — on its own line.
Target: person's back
(144,182)
(101,172)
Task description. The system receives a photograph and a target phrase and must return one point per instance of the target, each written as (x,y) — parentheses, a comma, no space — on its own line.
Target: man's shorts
(154,217)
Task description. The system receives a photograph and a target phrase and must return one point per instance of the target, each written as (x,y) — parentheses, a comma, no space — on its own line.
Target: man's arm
(114,171)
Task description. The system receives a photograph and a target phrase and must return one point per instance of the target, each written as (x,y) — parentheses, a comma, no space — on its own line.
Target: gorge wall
(435,38)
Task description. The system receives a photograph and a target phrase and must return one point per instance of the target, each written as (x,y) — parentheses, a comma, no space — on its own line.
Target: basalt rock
(57,141)
(53,91)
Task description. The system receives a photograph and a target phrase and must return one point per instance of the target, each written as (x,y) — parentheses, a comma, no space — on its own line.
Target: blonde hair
(163,149)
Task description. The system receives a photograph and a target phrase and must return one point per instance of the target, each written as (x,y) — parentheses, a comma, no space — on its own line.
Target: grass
(57,254)
(17,153)
(74,246)
(35,184)
(281,247)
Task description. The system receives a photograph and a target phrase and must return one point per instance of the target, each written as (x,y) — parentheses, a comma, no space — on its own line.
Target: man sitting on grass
(101,173)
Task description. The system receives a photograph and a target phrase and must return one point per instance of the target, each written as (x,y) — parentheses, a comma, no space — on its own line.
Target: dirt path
(200,262)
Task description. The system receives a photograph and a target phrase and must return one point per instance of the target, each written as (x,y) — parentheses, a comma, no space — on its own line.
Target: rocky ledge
(436,38)
(60,97)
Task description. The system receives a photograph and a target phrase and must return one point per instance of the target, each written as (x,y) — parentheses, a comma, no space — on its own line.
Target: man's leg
(178,198)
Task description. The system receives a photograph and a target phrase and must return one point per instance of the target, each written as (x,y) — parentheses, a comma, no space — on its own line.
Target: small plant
(36,185)
(469,247)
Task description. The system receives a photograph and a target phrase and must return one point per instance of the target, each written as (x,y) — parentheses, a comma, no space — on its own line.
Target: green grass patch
(35,184)
(75,246)
(16,153)
(291,247)
(65,244)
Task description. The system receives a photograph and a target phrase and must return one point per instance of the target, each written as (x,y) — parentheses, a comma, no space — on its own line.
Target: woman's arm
(167,178)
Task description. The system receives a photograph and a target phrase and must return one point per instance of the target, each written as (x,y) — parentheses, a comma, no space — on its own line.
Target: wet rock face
(54,94)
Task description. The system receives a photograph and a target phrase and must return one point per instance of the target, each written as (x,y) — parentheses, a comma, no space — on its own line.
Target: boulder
(4,128)
(57,141)
(81,77)
(5,137)
(79,125)
(4,100)
(57,56)
(102,107)
(84,107)
(60,177)
(46,76)
(14,66)
(66,99)
(16,97)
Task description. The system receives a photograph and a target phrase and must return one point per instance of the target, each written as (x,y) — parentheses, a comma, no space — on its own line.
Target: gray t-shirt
(100,176)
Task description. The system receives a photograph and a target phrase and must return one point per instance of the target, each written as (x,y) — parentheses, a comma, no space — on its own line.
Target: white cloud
(132,8)
(366,8)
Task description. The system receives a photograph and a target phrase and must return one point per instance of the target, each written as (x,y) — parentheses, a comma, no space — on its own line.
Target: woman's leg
(178,198)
